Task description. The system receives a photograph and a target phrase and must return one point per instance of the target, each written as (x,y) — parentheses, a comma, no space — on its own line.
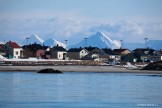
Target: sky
(73,20)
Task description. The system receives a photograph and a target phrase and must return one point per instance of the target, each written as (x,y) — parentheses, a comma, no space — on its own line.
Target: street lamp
(85,41)
(146,39)
(66,43)
(27,40)
(121,41)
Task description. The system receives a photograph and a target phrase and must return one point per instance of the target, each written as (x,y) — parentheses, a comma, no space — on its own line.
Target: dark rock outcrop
(154,66)
(49,70)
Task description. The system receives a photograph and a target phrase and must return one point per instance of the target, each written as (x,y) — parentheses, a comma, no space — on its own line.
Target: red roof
(14,44)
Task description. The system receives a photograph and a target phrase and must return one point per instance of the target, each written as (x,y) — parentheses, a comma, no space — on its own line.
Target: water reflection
(79,89)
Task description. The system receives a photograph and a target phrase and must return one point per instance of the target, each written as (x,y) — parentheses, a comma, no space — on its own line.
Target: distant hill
(99,40)
(33,39)
(53,42)
(2,42)
(132,46)
(36,39)
(154,44)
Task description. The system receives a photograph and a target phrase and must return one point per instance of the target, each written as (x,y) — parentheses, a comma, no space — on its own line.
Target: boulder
(154,66)
(49,70)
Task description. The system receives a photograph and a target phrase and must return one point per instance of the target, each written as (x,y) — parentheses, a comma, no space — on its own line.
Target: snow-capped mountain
(33,39)
(53,42)
(2,42)
(99,40)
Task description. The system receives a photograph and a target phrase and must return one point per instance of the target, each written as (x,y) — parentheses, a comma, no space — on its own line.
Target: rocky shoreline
(75,68)
(154,66)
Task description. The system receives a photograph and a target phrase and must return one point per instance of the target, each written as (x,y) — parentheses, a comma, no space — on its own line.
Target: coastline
(75,68)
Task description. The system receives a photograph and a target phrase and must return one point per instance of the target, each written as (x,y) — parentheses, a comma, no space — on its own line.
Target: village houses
(13,50)
(143,54)
(77,53)
(58,52)
(109,54)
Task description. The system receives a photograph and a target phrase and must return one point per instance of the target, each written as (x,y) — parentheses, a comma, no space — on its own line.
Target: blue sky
(76,19)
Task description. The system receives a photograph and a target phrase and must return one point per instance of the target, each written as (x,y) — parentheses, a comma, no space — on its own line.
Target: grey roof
(108,51)
(75,49)
(58,48)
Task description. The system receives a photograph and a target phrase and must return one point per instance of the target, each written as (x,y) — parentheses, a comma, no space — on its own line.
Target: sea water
(80,90)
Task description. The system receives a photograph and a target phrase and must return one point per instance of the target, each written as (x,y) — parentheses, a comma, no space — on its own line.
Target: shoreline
(78,68)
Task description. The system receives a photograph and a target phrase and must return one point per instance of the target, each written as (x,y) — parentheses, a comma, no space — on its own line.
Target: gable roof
(14,44)
(108,51)
(58,48)
(143,51)
(91,48)
(33,47)
(119,50)
(75,49)
(128,58)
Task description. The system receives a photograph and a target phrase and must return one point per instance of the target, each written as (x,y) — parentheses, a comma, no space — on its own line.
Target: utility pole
(146,39)
(85,41)
(66,43)
(27,40)
(121,41)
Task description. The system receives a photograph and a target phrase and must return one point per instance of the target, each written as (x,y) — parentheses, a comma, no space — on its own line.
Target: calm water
(80,90)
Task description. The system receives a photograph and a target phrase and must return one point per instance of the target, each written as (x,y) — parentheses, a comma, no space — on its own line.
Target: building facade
(13,50)
(77,53)
(58,52)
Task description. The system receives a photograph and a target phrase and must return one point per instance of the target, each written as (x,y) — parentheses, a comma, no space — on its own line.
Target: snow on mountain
(2,42)
(99,40)
(33,39)
(53,42)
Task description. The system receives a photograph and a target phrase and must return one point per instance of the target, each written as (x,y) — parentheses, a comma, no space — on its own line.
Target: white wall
(60,55)
(83,53)
(16,50)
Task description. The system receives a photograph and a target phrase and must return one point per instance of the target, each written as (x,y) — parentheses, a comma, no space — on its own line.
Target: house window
(17,52)
(59,55)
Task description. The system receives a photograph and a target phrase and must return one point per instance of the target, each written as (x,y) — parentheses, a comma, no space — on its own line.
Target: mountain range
(36,39)
(1,42)
(53,42)
(33,39)
(98,39)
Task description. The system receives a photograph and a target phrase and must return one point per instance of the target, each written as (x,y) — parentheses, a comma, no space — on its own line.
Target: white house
(13,50)
(58,52)
(77,53)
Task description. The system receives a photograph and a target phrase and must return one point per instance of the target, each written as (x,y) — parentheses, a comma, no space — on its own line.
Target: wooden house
(58,52)
(143,54)
(121,51)
(13,50)
(77,53)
